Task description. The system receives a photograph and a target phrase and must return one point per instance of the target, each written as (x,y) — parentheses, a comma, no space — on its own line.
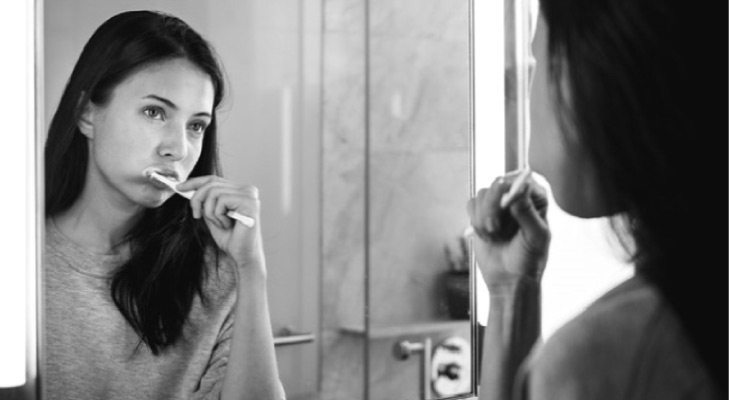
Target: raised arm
(511,246)
(251,373)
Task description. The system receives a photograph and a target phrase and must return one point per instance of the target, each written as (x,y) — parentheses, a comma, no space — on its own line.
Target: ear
(86,118)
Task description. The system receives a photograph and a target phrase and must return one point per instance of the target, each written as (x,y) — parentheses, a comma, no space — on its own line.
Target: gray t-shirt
(627,345)
(90,347)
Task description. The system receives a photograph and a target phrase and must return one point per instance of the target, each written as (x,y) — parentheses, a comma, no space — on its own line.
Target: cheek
(112,141)
(545,147)
(119,131)
(548,154)
(193,156)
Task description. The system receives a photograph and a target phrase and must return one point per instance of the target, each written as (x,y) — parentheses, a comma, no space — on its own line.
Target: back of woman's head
(122,45)
(633,89)
(155,288)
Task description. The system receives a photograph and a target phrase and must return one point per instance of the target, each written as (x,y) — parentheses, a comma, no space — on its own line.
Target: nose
(174,144)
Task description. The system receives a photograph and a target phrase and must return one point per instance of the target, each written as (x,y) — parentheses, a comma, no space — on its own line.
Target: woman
(617,126)
(147,294)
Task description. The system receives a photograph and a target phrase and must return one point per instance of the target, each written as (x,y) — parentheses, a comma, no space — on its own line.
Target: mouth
(167,173)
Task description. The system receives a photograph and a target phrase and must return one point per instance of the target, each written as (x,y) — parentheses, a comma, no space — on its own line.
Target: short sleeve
(220,310)
(211,382)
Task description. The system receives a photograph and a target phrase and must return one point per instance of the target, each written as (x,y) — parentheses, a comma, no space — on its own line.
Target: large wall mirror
(269,136)
(356,120)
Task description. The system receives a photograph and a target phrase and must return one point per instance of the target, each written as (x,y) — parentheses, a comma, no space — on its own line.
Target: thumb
(533,226)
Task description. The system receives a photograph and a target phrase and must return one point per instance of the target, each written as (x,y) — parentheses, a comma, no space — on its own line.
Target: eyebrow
(172,105)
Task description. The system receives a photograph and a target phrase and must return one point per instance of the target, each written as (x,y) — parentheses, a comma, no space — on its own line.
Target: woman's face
(552,154)
(155,118)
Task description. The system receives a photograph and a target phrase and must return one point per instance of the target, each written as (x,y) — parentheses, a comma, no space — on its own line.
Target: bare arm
(252,372)
(511,247)
(512,330)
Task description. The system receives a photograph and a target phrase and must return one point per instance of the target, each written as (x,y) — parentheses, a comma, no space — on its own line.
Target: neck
(98,223)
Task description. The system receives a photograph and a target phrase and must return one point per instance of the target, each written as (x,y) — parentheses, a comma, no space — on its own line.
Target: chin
(585,207)
(153,200)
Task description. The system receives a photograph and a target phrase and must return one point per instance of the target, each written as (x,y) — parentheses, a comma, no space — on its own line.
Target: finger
(251,191)
(531,223)
(483,208)
(234,202)
(196,183)
(539,197)
(211,221)
(488,208)
(199,196)
(213,182)
(212,198)
(221,209)
(517,181)
(473,220)
(202,192)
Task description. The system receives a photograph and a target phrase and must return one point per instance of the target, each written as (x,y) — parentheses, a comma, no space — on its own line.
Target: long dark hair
(638,101)
(155,288)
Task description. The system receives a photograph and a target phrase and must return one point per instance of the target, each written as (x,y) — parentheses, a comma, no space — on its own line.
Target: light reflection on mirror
(18,238)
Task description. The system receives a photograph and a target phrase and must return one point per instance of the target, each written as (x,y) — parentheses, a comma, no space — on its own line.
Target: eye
(198,127)
(154,112)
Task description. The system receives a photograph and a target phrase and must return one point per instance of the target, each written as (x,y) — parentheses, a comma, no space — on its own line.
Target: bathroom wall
(396,162)
(419,178)
(419,156)
(343,200)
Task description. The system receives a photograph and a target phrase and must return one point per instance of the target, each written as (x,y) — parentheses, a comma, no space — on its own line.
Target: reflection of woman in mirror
(142,287)
(620,114)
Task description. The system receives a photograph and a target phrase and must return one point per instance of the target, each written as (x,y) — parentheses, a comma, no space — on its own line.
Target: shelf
(416,328)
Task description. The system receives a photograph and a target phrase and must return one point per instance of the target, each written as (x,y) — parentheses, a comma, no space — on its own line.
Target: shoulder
(627,344)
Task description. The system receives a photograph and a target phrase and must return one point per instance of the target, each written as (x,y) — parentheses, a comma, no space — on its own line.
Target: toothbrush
(517,186)
(244,219)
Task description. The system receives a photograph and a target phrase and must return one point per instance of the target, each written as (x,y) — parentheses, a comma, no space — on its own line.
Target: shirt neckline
(97,265)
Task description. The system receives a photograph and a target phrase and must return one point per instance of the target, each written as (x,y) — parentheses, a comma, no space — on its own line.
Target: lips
(169,174)
(166,172)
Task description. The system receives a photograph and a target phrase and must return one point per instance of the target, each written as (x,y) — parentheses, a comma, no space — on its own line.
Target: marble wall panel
(418,205)
(343,200)
(419,171)
(419,94)
(416,108)
(419,151)
(428,19)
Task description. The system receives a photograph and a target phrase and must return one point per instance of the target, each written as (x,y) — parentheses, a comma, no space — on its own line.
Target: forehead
(177,80)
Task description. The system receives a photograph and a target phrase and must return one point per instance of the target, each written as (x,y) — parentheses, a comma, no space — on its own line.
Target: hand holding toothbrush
(509,220)
(222,204)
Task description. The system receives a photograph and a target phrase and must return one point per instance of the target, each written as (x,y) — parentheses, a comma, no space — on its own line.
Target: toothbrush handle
(244,219)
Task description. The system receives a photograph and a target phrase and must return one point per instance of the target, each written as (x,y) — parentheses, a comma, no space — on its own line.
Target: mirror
(354,120)
(419,178)
(268,136)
